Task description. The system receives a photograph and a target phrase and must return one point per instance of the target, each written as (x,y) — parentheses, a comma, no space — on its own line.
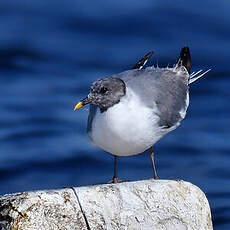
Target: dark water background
(51,51)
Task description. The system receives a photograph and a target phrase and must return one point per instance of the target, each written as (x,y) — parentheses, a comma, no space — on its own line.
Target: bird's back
(165,88)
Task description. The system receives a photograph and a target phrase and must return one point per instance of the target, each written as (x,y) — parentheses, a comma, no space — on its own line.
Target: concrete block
(147,204)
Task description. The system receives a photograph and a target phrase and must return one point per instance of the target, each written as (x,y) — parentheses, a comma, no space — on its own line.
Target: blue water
(51,51)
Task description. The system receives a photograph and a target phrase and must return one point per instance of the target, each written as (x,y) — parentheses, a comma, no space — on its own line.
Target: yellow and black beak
(81,103)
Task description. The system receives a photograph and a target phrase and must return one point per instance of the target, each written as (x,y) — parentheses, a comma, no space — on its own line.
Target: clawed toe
(176,179)
(115,180)
(155,177)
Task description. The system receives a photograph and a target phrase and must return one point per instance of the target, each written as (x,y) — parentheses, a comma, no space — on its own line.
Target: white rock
(148,204)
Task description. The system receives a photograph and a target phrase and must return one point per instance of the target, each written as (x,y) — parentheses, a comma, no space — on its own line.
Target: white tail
(194,77)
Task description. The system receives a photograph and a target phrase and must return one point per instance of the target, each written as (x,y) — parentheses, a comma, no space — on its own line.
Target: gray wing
(165,88)
(92,113)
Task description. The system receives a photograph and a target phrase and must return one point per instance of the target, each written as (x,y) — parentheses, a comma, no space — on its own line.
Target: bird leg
(153,163)
(115,178)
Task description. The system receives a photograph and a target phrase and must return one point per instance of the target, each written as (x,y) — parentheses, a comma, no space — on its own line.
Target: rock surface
(148,204)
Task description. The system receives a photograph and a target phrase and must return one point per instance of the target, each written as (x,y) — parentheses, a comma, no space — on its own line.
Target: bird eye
(103,90)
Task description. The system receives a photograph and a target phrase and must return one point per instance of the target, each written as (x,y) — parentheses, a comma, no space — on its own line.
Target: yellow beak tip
(78,106)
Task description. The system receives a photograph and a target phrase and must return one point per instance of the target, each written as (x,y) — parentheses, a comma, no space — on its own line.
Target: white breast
(127,128)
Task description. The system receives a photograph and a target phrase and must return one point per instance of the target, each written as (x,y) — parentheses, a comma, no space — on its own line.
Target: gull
(130,111)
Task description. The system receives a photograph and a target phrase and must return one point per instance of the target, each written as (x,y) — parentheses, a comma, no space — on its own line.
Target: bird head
(104,93)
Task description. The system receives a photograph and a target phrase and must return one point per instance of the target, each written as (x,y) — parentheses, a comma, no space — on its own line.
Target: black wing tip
(149,54)
(185,49)
(185,58)
(140,64)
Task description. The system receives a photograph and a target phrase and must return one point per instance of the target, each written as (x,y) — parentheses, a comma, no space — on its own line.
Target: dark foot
(155,177)
(115,180)
(176,179)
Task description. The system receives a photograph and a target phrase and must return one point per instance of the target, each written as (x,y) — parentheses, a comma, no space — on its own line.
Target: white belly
(127,128)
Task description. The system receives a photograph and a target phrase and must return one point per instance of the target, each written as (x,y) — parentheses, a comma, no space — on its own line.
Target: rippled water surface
(51,51)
